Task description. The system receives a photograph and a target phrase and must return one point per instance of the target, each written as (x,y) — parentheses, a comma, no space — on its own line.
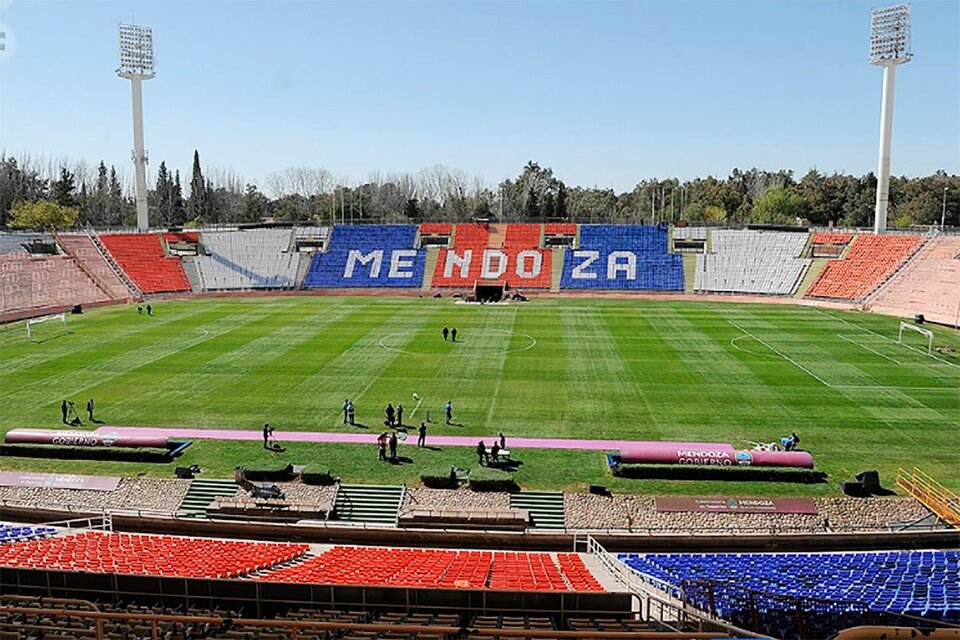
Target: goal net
(46,327)
(914,342)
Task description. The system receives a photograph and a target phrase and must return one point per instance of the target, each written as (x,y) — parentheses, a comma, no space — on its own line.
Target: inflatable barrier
(73,438)
(711,453)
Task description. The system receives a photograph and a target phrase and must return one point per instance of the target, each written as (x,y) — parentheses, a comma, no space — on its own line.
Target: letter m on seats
(374,259)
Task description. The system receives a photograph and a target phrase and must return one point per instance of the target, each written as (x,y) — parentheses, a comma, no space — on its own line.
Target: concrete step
(545,508)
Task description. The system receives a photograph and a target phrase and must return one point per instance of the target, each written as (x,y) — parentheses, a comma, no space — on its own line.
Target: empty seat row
(369,256)
(754,262)
(141,256)
(929,285)
(153,555)
(869,262)
(622,257)
(923,583)
(250,259)
(831,237)
(440,568)
(18,533)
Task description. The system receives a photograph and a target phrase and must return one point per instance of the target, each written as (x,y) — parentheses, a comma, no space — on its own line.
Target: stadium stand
(869,262)
(622,257)
(929,285)
(30,281)
(749,261)
(831,237)
(151,555)
(181,237)
(920,583)
(83,248)
(141,256)
(689,233)
(509,254)
(19,533)
(436,229)
(441,568)
(15,242)
(369,256)
(248,259)
(560,229)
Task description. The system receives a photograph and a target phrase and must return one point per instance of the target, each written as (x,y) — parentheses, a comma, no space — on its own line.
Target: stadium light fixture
(889,47)
(135,48)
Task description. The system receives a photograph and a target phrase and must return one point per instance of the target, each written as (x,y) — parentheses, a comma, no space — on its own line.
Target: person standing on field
(422,438)
(390,414)
(90,407)
(446,332)
(399,415)
(346,410)
(351,414)
(453,334)
(449,412)
(63,411)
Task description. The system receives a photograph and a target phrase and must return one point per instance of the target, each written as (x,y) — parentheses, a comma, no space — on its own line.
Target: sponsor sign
(719,504)
(711,453)
(58,481)
(83,438)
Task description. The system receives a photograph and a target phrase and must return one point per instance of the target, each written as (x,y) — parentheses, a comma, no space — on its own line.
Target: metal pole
(139,155)
(943,211)
(886,133)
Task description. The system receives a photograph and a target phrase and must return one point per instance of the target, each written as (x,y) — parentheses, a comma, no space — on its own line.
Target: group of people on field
(68,409)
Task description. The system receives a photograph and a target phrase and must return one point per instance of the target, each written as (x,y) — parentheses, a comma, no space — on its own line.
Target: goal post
(921,331)
(57,325)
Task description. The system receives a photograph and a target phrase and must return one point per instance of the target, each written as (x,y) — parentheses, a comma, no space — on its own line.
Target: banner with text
(719,504)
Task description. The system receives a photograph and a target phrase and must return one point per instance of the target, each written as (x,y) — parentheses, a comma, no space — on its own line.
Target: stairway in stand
(202,493)
(368,503)
(545,508)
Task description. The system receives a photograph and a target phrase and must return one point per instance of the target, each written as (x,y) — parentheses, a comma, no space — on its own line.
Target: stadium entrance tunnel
(489,292)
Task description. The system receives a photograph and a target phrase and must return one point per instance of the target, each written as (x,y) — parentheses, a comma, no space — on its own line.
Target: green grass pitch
(611,369)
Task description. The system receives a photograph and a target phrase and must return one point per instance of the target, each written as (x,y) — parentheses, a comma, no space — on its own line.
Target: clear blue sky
(604,93)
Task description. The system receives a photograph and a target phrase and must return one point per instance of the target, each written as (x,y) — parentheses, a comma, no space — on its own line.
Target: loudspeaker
(77,309)
(853,489)
(919,319)
(870,481)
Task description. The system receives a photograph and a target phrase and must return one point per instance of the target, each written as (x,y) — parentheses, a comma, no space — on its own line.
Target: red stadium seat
(141,256)
(870,261)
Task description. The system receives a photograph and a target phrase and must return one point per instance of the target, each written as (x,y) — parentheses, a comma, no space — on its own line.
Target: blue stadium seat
(622,257)
(369,256)
(920,583)
(14,533)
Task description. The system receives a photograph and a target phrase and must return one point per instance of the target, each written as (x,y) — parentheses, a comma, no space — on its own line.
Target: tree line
(35,193)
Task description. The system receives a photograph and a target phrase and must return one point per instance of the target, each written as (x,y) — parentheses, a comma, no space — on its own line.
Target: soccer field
(569,368)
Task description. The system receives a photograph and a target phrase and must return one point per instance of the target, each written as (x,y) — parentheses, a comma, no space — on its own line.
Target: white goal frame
(56,316)
(925,332)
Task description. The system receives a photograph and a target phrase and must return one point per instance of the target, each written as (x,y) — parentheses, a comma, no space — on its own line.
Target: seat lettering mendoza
(402,263)
(494,264)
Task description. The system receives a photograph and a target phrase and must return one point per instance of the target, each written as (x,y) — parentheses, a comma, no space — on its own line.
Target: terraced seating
(920,583)
(181,237)
(436,229)
(928,285)
(509,254)
(369,256)
(756,262)
(13,242)
(18,533)
(560,229)
(689,233)
(440,568)
(83,248)
(248,259)
(831,237)
(870,262)
(622,257)
(141,256)
(30,281)
(150,555)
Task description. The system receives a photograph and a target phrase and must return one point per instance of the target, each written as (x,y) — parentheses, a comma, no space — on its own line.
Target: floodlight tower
(889,46)
(136,64)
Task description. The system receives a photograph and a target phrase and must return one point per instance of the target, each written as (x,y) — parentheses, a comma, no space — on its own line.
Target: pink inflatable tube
(711,453)
(82,438)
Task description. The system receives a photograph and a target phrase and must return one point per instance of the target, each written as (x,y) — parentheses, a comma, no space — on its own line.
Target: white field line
(821,380)
(863,346)
(852,324)
(785,357)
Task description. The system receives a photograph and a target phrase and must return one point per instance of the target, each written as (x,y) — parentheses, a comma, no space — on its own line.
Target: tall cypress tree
(199,197)
(179,215)
(62,190)
(164,195)
(114,208)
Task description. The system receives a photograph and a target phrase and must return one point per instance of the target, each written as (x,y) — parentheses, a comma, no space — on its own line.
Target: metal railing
(933,495)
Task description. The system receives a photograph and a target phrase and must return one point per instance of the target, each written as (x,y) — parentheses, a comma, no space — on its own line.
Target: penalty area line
(863,346)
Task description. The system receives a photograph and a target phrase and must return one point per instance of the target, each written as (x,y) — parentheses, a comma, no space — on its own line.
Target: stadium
(479,427)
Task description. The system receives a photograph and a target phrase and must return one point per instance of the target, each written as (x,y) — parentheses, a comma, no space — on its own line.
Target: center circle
(467,344)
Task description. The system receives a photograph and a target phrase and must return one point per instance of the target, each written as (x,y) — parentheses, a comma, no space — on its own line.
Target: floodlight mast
(135,44)
(889,47)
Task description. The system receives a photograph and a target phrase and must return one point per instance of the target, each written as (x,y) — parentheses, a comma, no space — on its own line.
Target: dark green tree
(62,190)
(199,207)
